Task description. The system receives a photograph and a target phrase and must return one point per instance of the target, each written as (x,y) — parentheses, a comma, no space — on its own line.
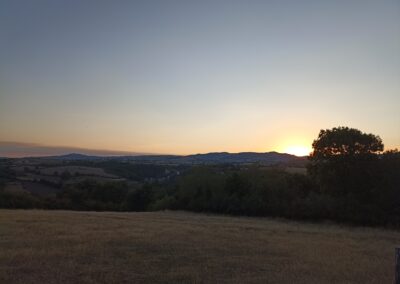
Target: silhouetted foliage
(92,195)
(65,175)
(344,161)
(19,199)
(138,199)
(349,180)
(6,174)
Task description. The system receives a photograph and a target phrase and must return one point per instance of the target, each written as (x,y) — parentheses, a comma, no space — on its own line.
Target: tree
(345,141)
(389,200)
(65,175)
(139,199)
(344,161)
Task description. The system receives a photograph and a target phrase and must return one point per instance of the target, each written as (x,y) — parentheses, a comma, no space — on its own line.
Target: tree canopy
(344,141)
(344,162)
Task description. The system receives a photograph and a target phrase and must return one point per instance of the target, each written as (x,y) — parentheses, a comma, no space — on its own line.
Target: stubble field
(179,247)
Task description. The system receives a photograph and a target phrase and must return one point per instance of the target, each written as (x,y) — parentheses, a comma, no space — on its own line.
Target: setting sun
(298,150)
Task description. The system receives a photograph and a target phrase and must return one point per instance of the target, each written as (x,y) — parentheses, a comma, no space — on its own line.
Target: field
(178,247)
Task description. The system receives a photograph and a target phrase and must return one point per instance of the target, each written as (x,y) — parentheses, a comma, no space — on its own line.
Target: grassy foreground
(180,247)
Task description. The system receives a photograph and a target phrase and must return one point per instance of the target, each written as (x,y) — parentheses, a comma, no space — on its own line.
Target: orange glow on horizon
(298,150)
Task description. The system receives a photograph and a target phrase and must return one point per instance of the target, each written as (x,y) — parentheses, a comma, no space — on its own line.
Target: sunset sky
(186,77)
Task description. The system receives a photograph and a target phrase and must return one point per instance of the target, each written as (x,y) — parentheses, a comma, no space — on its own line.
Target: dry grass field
(179,247)
(89,171)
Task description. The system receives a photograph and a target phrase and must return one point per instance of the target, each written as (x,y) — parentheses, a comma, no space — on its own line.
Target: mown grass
(178,247)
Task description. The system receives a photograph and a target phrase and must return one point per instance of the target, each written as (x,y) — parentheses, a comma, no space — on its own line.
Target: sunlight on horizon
(184,77)
(298,150)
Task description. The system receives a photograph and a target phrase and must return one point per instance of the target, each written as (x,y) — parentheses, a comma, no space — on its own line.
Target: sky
(183,77)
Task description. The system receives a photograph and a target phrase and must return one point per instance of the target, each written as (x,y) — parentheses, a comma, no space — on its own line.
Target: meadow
(39,246)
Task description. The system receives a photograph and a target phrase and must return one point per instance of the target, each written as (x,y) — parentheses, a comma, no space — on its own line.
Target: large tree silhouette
(344,162)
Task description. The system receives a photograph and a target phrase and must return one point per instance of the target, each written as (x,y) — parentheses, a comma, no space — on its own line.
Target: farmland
(39,246)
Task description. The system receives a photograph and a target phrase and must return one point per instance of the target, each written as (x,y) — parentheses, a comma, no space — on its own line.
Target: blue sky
(197,76)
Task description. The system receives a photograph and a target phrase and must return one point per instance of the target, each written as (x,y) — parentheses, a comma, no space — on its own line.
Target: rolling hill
(268,158)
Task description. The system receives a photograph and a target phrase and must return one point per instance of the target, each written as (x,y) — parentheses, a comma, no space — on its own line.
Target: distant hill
(267,158)
(75,157)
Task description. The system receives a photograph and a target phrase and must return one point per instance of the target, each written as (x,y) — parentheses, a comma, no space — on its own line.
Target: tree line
(349,179)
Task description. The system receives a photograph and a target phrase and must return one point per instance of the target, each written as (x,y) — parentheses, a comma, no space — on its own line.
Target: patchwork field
(179,247)
(88,171)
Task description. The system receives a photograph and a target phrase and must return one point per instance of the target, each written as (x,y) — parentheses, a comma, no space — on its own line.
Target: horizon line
(13,149)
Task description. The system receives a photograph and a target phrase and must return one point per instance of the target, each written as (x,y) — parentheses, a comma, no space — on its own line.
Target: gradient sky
(197,76)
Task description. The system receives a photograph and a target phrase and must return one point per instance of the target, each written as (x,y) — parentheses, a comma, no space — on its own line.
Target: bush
(18,200)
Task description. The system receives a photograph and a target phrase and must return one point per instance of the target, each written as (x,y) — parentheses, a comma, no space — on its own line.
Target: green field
(179,247)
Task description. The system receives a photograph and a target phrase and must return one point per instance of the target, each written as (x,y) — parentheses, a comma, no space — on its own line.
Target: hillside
(178,247)
(268,158)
